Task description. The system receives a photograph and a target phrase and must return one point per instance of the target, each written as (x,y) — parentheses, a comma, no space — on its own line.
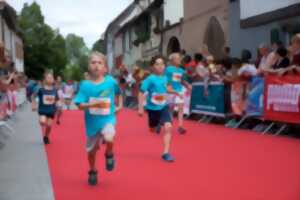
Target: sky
(86,18)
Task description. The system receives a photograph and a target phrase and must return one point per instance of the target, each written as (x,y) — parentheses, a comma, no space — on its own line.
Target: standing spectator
(189,66)
(282,59)
(247,71)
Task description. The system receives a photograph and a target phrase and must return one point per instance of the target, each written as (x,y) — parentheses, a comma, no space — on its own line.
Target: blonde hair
(173,55)
(296,38)
(98,54)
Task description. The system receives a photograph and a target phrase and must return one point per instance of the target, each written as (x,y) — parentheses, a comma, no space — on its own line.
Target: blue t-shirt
(156,87)
(97,118)
(175,77)
(47,100)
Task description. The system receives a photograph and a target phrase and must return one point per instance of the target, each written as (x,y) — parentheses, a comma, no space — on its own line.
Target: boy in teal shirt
(175,76)
(155,86)
(96,97)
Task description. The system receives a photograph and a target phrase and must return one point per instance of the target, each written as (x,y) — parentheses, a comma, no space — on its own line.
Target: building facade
(255,22)
(10,38)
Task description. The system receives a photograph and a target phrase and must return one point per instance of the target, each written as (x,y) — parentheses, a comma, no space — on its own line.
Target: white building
(10,37)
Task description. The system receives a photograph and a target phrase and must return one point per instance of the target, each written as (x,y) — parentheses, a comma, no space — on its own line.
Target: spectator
(296,52)
(247,71)
(201,69)
(189,66)
(282,59)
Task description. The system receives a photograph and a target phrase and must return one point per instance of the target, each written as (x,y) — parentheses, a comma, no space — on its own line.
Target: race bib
(48,99)
(103,107)
(177,77)
(159,99)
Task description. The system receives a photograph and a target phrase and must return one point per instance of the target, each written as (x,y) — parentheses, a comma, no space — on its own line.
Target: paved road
(24,173)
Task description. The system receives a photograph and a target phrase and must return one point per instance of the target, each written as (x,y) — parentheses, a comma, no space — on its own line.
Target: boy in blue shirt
(175,75)
(155,86)
(47,98)
(96,97)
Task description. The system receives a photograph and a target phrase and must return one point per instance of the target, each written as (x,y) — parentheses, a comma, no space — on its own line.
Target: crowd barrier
(272,98)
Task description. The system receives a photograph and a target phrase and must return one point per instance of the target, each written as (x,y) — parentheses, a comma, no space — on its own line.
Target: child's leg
(167,137)
(180,103)
(48,127)
(166,121)
(92,148)
(58,115)
(109,134)
(180,114)
(153,120)
(92,159)
(43,122)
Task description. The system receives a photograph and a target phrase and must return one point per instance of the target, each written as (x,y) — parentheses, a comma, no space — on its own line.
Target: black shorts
(48,115)
(159,117)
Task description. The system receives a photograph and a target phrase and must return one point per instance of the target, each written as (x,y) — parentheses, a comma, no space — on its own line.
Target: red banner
(282,98)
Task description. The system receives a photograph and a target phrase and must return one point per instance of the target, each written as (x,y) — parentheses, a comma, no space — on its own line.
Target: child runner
(96,97)
(47,99)
(69,93)
(175,76)
(155,86)
(60,103)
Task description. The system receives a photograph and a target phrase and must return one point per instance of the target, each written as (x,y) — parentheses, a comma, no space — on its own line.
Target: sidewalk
(24,173)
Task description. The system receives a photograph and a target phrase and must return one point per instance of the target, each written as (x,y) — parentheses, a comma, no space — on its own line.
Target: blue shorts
(159,117)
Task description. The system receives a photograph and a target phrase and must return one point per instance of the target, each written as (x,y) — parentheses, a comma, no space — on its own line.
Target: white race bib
(104,106)
(159,99)
(177,77)
(48,99)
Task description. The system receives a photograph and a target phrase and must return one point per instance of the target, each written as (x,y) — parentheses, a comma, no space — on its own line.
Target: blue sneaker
(167,157)
(110,162)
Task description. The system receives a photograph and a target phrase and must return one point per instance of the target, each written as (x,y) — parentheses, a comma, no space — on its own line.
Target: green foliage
(99,46)
(73,72)
(44,48)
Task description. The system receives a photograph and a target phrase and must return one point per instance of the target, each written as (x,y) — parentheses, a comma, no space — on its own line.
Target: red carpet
(212,163)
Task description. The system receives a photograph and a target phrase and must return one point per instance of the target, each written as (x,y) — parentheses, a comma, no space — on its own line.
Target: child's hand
(34,107)
(141,112)
(118,109)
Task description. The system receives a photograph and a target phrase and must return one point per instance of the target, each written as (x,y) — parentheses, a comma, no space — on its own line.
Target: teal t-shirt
(156,88)
(97,118)
(175,77)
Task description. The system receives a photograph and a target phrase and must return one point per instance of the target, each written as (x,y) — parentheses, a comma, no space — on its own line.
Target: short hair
(97,54)
(246,55)
(172,55)
(187,59)
(153,60)
(198,57)
(282,52)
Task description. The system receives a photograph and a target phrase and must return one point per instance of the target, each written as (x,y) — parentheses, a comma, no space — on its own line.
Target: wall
(251,8)
(251,38)
(197,14)
(173,10)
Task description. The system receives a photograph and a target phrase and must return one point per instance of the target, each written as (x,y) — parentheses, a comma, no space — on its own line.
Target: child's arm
(119,103)
(33,102)
(141,100)
(170,90)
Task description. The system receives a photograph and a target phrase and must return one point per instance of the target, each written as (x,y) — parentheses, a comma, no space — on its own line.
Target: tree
(99,46)
(44,48)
